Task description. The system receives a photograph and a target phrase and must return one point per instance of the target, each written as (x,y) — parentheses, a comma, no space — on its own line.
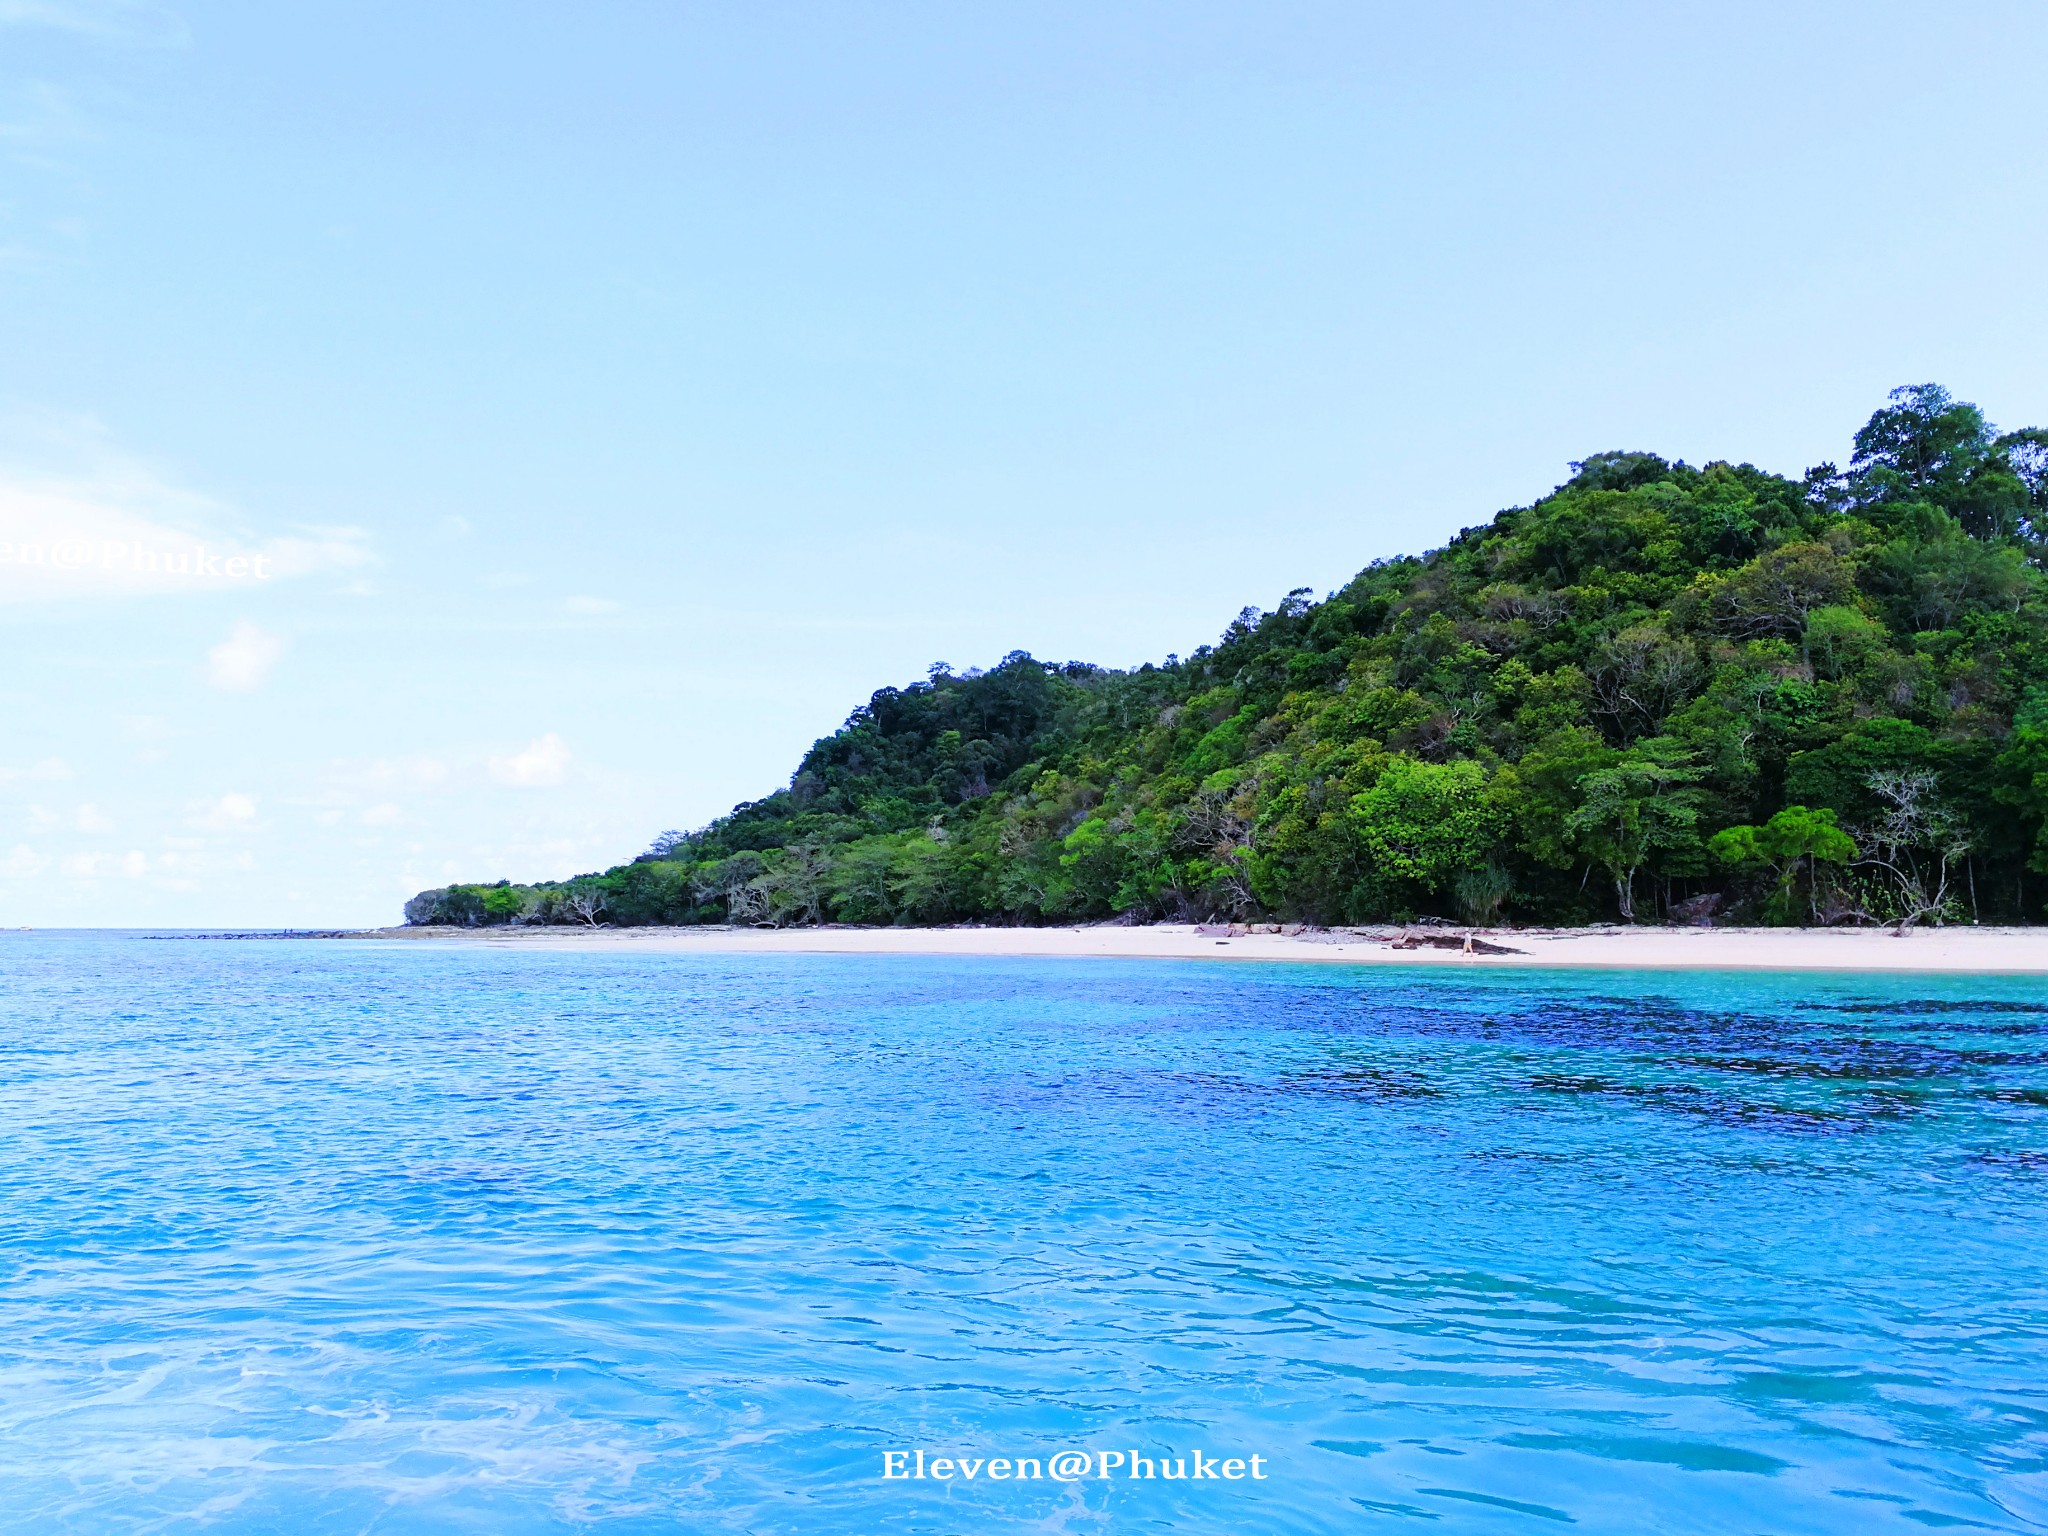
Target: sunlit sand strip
(2016,951)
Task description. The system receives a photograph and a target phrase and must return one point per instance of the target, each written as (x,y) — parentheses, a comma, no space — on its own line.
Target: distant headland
(1659,694)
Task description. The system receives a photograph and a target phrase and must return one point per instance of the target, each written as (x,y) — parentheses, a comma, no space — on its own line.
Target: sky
(464,441)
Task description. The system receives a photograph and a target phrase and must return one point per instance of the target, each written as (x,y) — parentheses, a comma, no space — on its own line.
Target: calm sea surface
(345,1237)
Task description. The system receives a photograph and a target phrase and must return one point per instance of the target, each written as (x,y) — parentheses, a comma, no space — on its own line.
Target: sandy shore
(2014,951)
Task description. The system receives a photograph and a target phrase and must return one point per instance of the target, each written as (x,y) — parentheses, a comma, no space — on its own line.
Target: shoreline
(1959,950)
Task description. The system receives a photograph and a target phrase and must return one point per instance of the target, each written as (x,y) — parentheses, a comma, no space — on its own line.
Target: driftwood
(1469,944)
(1410,938)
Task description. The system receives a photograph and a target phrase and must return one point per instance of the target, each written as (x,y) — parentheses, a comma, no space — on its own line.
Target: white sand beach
(2016,951)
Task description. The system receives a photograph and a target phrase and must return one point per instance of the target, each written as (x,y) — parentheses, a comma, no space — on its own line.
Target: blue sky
(616,394)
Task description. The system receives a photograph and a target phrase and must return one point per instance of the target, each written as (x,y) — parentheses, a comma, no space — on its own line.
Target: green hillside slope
(1659,691)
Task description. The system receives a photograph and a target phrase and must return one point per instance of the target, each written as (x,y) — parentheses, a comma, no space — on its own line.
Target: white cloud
(92,866)
(40,116)
(93,821)
(150,731)
(133,22)
(104,524)
(389,773)
(48,770)
(21,862)
(243,660)
(227,814)
(544,762)
(374,793)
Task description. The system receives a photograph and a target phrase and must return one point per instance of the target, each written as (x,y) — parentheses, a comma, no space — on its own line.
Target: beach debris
(1470,944)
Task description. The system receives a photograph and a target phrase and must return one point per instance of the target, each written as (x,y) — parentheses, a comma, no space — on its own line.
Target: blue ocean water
(304,1236)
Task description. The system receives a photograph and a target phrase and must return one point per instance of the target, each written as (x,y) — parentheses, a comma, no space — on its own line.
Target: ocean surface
(303,1236)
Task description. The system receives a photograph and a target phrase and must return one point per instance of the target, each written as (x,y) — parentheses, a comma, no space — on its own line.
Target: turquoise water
(323,1237)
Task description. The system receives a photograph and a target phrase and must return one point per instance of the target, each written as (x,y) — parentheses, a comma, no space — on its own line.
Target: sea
(317,1236)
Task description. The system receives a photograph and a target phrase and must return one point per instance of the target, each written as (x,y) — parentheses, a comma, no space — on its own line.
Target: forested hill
(1660,691)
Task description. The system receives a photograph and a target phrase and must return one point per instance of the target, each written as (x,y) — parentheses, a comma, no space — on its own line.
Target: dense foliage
(1659,691)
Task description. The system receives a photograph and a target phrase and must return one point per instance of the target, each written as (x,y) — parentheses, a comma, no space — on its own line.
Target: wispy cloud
(101,523)
(38,116)
(93,866)
(244,660)
(402,772)
(46,771)
(230,813)
(542,763)
(130,22)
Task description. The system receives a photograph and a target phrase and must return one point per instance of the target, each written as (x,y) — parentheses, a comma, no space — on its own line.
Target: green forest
(1660,693)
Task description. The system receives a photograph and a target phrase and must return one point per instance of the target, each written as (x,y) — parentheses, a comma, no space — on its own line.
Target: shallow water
(322,1237)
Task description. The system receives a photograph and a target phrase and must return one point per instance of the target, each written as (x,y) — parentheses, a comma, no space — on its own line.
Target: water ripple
(314,1237)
